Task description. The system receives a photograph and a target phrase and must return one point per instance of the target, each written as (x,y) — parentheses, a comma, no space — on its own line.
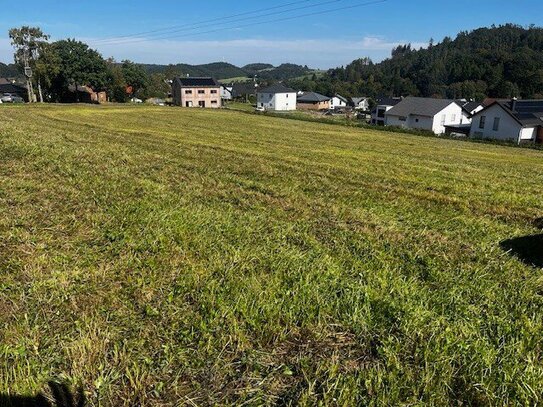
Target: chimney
(514,104)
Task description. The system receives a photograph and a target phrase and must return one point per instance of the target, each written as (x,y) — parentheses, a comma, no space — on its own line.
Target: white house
(338,102)
(277,97)
(520,121)
(226,92)
(361,103)
(383,106)
(427,114)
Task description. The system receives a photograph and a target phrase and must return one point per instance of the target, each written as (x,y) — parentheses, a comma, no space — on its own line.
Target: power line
(169,34)
(175,27)
(328,11)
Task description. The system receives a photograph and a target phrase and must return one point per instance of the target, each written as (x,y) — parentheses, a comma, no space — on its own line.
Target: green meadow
(165,257)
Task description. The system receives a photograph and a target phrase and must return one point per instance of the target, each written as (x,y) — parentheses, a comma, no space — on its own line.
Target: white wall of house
(363,105)
(466,118)
(337,103)
(226,92)
(528,133)
(378,117)
(451,115)
(277,101)
(507,127)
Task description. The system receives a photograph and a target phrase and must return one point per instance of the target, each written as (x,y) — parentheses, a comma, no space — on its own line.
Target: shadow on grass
(61,394)
(528,249)
(538,223)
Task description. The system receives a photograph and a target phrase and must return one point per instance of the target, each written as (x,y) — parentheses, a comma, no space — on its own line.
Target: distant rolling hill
(226,71)
(222,71)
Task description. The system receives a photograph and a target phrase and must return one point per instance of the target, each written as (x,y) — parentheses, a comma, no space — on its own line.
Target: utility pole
(28,75)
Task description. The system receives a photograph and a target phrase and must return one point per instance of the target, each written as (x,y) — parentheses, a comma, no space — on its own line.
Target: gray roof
(277,88)
(313,97)
(420,106)
(388,101)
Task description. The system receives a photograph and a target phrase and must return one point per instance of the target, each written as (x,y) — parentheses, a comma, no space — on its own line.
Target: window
(213,91)
(287,95)
(403,118)
(188,92)
(482,122)
(213,102)
(380,113)
(201,91)
(496,126)
(453,118)
(443,119)
(202,103)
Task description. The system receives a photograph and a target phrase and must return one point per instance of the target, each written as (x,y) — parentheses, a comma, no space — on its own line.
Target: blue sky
(321,41)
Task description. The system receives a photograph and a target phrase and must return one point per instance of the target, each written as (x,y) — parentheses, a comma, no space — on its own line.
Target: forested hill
(224,70)
(218,70)
(502,61)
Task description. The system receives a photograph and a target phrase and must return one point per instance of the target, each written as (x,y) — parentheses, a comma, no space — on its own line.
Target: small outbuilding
(85,94)
(313,101)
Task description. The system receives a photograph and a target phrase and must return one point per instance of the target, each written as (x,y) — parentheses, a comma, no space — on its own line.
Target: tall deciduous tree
(116,87)
(29,44)
(46,68)
(157,86)
(79,65)
(135,76)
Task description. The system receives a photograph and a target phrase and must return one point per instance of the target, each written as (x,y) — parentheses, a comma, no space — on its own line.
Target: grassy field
(163,256)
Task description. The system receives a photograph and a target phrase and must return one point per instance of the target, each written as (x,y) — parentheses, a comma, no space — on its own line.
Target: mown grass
(163,256)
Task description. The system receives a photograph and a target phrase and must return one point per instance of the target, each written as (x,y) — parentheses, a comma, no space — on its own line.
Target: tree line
(61,66)
(225,71)
(501,62)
